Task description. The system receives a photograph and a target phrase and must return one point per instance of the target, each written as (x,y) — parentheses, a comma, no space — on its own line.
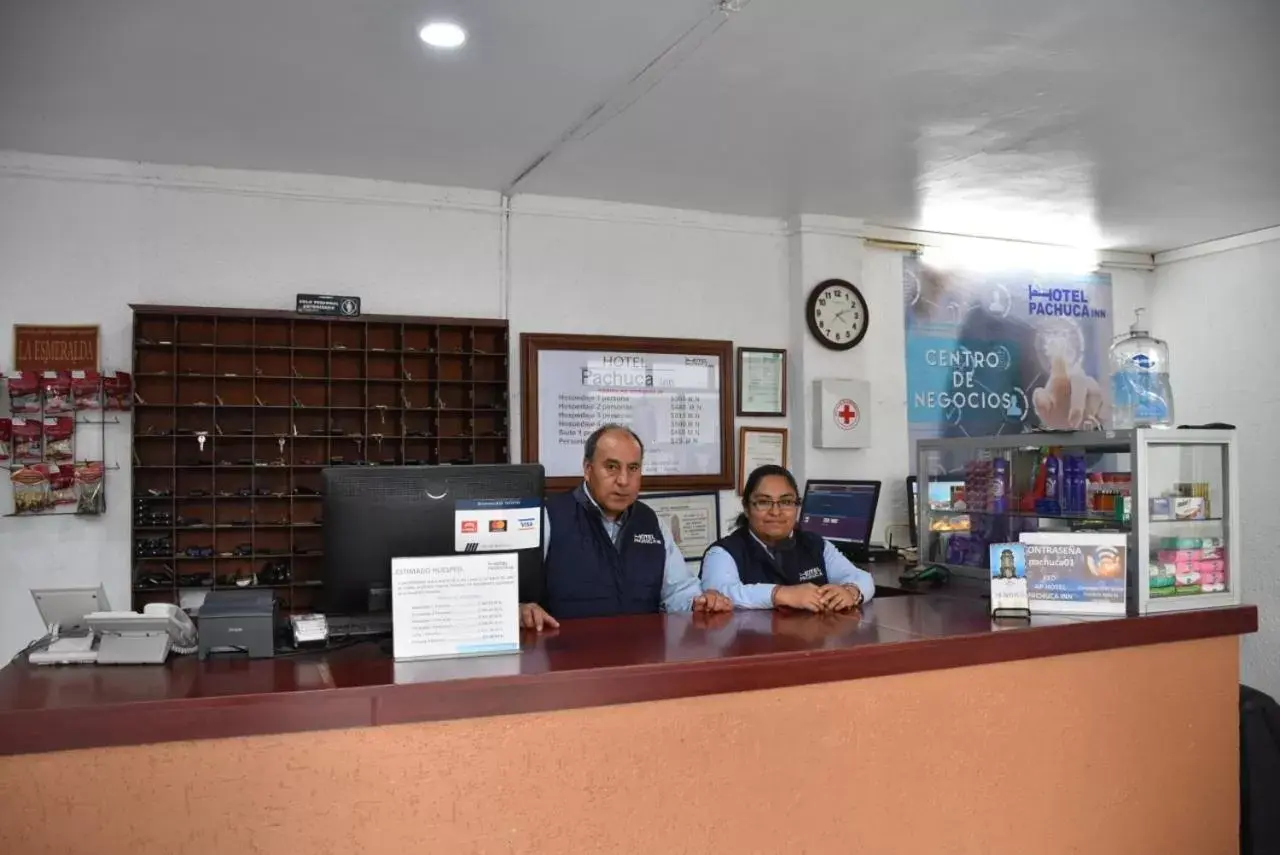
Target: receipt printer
(238,622)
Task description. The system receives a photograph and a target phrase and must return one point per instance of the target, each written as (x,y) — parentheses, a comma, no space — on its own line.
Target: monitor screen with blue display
(840,510)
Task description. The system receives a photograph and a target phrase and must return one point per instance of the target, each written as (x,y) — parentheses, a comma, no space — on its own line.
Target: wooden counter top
(586,663)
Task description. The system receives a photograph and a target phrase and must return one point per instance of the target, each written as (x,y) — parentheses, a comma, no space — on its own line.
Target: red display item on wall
(6,437)
(86,390)
(90,496)
(27,441)
(30,490)
(56,387)
(24,393)
(117,390)
(62,483)
(59,441)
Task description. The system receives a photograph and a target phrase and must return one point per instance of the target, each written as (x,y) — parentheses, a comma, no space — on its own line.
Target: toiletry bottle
(1141,395)
(1052,482)
(999,485)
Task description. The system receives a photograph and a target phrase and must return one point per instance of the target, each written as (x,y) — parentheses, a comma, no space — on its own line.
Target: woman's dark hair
(753,482)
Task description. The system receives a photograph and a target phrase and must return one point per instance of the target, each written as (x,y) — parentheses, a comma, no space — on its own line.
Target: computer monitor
(374,514)
(66,607)
(840,511)
(943,496)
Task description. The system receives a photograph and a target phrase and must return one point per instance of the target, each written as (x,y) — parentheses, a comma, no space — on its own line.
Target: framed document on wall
(674,393)
(762,382)
(693,518)
(759,446)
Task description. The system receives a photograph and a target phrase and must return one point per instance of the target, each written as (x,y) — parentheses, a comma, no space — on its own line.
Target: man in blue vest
(608,554)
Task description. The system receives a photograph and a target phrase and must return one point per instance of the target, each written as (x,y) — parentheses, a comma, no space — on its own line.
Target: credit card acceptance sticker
(497,525)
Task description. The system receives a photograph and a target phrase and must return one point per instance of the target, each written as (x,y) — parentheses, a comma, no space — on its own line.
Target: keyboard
(359,626)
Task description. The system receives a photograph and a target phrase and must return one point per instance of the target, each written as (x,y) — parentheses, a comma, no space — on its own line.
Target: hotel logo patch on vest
(646,538)
(811,573)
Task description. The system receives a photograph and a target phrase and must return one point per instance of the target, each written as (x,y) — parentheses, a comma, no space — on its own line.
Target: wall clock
(837,314)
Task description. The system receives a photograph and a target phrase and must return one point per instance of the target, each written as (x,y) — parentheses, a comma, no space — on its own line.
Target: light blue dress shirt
(720,571)
(679,585)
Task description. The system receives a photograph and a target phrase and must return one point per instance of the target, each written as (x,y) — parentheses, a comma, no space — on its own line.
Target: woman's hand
(805,597)
(840,598)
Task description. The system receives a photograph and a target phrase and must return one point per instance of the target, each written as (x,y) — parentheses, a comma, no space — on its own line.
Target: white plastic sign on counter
(455,605)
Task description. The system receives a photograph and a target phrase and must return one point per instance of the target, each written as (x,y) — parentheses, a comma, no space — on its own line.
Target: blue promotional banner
(1004,352)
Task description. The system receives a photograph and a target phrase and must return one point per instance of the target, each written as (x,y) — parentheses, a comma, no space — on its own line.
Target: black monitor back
(374,514)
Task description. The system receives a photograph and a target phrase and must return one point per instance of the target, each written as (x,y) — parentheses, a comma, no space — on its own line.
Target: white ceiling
(1135,124)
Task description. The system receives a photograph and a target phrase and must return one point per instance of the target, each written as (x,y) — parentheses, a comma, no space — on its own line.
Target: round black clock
(837,314)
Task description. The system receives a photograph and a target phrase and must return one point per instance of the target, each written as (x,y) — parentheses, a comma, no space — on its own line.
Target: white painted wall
(1218,314)
(825,248)
(81,239)
(614,269)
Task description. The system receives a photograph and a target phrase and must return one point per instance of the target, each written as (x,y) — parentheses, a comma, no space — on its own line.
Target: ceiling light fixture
(443,34)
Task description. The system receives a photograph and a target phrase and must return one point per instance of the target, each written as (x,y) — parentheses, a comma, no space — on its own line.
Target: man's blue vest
(586,575)
(796,560)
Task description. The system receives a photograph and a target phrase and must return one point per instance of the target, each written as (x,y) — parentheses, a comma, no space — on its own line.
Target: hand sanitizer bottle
(1141,395)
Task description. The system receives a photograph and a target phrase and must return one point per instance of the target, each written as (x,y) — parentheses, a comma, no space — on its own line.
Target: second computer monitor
(840,511)
(375,514)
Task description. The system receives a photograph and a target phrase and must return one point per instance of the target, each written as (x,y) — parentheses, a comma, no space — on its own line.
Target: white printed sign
(455,605)
(497,525)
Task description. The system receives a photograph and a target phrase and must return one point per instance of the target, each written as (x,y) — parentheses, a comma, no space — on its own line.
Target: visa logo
(527,523)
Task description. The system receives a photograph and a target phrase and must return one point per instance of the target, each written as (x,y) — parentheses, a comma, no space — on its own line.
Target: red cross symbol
(846,414)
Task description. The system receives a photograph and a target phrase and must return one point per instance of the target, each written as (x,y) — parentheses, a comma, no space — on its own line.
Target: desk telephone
(127,638)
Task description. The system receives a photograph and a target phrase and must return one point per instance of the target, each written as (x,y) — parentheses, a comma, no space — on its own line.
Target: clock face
(837,314)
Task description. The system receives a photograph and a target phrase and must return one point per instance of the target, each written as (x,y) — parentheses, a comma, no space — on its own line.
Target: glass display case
(1173,493)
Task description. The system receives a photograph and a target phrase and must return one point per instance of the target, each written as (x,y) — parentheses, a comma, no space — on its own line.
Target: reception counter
(916,725)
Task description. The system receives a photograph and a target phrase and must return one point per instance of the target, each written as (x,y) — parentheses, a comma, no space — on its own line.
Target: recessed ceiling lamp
(443,34)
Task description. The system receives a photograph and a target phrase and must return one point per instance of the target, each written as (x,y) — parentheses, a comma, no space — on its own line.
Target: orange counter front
(914,728)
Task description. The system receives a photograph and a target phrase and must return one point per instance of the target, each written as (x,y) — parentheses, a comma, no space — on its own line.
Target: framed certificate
(693,518)
(762,382)
(758,446)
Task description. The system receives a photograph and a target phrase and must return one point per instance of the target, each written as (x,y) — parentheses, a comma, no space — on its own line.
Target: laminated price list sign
(671,402)
(455,605)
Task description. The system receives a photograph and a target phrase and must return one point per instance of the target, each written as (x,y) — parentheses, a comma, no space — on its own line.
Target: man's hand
(535,617)
(805,597)
(712,601)
(839,598)
(1069,399)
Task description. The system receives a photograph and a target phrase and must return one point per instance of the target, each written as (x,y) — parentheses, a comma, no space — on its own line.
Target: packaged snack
(27,434)
(24,393)
(30,490)
(1190,508)
(6,437)
(56,386)
(117,390)
(62,484)
(59,439)
(86,390)
(91,497)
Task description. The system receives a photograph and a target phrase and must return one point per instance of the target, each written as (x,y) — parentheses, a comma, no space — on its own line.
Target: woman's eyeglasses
(762,504)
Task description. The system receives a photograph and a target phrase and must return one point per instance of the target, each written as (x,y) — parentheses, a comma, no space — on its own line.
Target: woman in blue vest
(767,562)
